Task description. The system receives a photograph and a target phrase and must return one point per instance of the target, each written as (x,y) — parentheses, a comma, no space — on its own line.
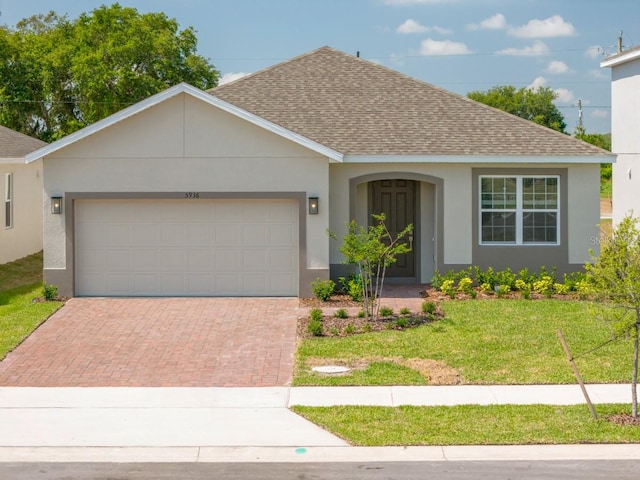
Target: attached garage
(188,247)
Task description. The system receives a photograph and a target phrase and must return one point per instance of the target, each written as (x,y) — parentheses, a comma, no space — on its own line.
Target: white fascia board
(513,160)
(170,93)
(621,58)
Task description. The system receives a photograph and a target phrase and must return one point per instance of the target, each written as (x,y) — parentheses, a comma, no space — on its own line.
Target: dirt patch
(624,419)
(336,301)
(434,371)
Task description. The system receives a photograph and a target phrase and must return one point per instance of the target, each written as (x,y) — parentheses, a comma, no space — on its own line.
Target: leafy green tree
(613,280)
(602,140)
(372,250)
(59,75)
(531,104)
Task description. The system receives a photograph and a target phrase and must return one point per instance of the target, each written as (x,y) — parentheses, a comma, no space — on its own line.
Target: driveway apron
(159,342)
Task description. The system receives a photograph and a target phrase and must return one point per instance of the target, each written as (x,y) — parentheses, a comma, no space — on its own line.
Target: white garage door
(195,247)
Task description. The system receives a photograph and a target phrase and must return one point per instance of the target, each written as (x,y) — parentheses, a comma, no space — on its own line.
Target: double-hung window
(520,210)
(8,200)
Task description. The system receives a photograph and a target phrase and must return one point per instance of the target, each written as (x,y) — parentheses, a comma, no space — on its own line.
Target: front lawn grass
(472,424)
(496,341)
(20,283)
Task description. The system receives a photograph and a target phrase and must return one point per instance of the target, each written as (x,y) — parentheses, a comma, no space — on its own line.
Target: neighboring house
(625,131)
(231,192)
(21,196)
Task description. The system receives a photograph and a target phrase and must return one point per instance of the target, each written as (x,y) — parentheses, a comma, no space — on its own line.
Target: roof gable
(357,107)
(170,93)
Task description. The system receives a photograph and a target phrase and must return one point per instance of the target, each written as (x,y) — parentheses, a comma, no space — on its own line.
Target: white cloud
(600,113)
(594,52)
(537,83)
(230,77)
(536,50)
(497,22)
(598,73)
(415,2)
(430,47)
(557,67)
(411,26)
(554,26)
(562,94)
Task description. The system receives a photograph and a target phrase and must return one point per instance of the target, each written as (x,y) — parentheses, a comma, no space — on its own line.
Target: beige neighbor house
(231,192)
(625,131)
(21,196)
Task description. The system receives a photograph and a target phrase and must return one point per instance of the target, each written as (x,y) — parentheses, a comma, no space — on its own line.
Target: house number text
(192,195)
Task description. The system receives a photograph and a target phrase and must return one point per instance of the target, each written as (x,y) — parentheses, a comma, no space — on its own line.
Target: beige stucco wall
(186,145)
(584,212)
(25,237)
(625,138)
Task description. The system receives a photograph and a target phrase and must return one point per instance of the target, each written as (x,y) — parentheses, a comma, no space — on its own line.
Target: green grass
(20,283)
(472,424)
(606,188)
(487,342)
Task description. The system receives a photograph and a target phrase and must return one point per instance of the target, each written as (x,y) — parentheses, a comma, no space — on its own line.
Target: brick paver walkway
(178,342)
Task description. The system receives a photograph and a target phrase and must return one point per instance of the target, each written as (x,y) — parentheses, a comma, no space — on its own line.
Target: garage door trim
(304,274)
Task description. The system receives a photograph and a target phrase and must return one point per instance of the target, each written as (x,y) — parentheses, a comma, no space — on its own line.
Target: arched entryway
(405,198)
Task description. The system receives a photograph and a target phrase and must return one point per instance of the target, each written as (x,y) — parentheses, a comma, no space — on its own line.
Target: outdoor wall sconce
(56,205)
(313,205)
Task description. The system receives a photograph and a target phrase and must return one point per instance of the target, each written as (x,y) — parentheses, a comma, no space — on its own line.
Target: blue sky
(459,45)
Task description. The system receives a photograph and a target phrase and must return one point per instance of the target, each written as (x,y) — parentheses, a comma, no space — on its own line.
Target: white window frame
(519,211)
(8,200)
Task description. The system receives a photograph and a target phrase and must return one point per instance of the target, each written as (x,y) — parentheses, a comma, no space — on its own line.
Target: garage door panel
(201,247)
(119,260)
(172,234)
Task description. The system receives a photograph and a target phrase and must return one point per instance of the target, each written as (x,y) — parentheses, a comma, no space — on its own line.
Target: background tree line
(59,75)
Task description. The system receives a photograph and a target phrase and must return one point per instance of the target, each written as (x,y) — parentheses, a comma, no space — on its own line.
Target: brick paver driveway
(180,342)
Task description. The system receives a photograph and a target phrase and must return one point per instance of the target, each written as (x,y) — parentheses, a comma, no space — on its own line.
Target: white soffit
(170,93)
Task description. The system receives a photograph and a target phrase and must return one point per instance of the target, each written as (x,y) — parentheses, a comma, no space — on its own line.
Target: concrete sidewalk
(252,424)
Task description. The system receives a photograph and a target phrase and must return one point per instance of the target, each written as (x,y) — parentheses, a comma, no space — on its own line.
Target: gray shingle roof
(16,145)
(360,108)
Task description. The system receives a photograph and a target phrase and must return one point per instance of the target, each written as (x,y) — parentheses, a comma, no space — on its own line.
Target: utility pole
(580,114)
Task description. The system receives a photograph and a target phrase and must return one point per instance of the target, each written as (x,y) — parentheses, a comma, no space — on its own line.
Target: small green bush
(402,322)
(386,311)
(316,314)
(340,313)
(405,311)
(448,288)
(334,331)
(49,292)
(502,290)
(323,289)
(465,285)
(573,280)
(524,288)
(506,277)
(487,276)
(486,288)
(315,328)
(350,329)
(429,307)
(561,288)
(544,286)
(352,286)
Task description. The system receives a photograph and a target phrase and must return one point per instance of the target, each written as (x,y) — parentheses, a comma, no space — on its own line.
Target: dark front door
(397,200)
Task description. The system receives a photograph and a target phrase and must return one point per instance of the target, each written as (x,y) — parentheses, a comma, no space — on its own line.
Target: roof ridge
(274,67)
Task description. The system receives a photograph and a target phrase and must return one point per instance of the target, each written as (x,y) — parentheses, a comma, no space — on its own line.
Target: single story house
(21,195)
(231,191)
(625,131)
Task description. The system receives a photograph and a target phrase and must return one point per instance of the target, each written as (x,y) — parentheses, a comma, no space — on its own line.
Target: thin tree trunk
(634,380)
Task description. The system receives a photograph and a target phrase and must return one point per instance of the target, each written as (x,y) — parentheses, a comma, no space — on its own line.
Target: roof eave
(620,58)
(501,159)
(170,93)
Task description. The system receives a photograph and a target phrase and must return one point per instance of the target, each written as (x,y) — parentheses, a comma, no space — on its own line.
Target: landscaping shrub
(323,289)
(315,324)
(352,286)
(49,292)
(506,277)
(524,288)
(386,311)
(502,290)
(448,288)
(465,285)
(573,280)
(486,277)
(350,329)
(340,313)
(429,307)
(544,286)
(405,311)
